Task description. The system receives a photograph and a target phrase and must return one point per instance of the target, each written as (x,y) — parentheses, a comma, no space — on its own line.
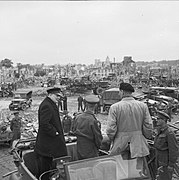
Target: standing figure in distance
(66,122)
(15,126)
(80,103)
(124,126)
(50,141)
(166,148)
(65,102)
(87,130)
(60,105)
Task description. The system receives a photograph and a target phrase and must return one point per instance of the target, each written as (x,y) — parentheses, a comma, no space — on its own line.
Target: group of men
(125,132)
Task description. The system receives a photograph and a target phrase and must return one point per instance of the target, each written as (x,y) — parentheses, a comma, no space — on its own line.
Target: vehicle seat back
(31,163)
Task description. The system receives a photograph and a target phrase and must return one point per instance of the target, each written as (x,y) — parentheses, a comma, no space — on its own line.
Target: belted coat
(166,152)
(124,127)
(50,140)
(167,149)
(89,137)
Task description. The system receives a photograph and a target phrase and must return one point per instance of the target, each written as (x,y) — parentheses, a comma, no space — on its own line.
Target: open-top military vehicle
(104,167)
(22,100)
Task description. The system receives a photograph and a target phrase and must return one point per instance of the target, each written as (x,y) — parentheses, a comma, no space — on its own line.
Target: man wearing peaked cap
(50,141)
(56,95)
(91,99)
(166,147)
(87,129)
(54,90)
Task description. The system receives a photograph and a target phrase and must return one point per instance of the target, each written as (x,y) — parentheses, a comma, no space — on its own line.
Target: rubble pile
(29,121)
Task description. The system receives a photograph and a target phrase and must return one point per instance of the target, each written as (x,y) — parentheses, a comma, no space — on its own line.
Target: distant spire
(107,59)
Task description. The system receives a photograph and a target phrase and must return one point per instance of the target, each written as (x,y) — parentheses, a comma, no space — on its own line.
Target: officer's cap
(126,87)
(54,90)
(163,115)
(91,99)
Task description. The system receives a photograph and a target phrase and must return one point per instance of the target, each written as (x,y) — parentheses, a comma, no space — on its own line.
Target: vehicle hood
(18,99)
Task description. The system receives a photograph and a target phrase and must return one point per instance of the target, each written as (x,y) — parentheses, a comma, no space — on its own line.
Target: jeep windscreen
(16,102)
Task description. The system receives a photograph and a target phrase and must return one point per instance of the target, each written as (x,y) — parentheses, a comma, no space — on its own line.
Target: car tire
(107,109)
(99,90)
(23,107)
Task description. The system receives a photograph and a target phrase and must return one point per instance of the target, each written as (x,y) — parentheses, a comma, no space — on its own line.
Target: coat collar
(52,102)
(89,112)
(127,98)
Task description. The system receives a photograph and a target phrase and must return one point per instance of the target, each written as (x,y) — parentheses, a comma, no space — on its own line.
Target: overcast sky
(50,32)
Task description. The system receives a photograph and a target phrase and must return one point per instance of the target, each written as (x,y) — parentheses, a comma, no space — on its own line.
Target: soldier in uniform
(166,148)
(87,130)
(65,102)
(15,126)
(80,103)
(66,122)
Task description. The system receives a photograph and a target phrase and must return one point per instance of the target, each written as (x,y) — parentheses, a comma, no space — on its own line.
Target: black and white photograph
(89,90)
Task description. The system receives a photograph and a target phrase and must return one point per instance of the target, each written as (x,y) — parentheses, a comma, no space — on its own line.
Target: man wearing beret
(124,125)
(50,142)
(87,129)
(166,148)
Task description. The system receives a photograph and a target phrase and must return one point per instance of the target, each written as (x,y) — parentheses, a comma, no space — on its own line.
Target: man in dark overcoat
(50,142)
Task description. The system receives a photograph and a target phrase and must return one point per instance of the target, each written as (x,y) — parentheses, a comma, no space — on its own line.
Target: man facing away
(50,142)
(124,126)
(87,130)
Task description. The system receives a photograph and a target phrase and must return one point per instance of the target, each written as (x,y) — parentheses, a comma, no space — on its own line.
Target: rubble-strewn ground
(30,117)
